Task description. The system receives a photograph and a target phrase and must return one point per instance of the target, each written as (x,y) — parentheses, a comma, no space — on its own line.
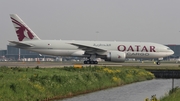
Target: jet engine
(115,56)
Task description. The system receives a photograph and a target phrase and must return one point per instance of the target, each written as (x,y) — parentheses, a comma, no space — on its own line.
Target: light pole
(19,54)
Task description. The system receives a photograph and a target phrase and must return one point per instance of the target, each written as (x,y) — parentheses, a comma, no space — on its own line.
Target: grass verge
(21,84)
(174,95)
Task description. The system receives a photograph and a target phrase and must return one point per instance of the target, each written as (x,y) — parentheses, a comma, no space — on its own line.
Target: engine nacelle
(116,56)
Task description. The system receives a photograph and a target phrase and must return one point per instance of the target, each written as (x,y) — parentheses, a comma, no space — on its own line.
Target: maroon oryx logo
(22,31)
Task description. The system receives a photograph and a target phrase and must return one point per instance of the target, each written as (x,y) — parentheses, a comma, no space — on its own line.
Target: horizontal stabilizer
(21,44)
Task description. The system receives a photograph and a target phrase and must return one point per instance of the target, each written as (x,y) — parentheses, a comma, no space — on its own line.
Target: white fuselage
(65,48)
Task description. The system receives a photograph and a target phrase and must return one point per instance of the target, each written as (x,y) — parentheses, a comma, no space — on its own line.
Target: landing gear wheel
(85,62)
(158,63)
(90,62)
(95,62)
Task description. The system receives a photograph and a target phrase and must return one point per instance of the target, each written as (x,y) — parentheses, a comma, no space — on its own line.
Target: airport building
(3,53)
(15,54)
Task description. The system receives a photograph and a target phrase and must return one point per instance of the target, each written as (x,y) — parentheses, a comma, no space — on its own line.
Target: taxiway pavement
(68,64)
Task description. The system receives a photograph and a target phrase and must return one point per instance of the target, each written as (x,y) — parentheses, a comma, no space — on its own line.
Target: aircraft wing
(21,44)
(88,49)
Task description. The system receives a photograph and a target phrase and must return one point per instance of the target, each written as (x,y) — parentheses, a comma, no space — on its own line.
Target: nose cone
(171,52)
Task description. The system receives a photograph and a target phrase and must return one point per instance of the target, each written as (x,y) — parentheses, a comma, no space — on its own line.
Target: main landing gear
(91,60)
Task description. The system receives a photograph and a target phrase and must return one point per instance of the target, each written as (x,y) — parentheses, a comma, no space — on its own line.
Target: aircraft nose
(171,52)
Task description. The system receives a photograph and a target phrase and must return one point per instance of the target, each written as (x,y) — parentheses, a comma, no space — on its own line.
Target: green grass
(172,96)
(29,84)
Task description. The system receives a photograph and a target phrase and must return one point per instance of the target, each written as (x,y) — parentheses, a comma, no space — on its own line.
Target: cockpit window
(168,49)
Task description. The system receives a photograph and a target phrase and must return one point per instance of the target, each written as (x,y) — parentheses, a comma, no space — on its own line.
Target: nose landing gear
(158,63)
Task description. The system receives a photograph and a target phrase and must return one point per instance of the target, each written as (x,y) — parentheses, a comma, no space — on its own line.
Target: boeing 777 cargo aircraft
(115,51)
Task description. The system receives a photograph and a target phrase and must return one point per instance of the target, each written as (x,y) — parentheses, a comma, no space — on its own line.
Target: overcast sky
(121,20)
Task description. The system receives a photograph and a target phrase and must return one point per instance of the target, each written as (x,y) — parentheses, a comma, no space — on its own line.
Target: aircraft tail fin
(24,33)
